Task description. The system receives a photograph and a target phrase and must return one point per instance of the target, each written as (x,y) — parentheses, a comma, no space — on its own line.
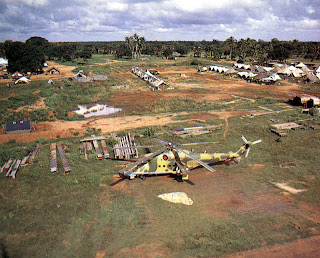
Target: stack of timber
(34,153)
(283,129)
(95,142)
(53,158)
(65,163)
(198,130)
(125,148)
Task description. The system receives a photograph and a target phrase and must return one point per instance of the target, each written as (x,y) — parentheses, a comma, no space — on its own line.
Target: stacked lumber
(125,148)
(198,130)
(283,129)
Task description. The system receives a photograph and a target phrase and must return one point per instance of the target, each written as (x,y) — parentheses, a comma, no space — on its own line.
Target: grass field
(237,208)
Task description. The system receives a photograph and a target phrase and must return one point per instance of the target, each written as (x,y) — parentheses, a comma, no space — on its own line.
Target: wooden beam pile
(125,148)
(97,143)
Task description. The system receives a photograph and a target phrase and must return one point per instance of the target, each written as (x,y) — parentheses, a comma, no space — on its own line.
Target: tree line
(30,55)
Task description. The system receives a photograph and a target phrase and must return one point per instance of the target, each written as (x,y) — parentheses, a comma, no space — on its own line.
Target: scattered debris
(287,188)
(176,197)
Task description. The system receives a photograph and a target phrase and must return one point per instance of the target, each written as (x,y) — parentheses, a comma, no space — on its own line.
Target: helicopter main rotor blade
(195,143)
(247,153)
(141,161)
(160,141)
(198,160)
(137,146)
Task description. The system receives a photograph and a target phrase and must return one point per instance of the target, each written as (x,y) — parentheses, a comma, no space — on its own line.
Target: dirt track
(106,124)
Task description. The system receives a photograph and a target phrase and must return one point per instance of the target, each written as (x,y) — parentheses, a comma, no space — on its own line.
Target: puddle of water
(97,110)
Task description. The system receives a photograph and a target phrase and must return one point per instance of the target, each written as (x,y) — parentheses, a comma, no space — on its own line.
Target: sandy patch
(288,188)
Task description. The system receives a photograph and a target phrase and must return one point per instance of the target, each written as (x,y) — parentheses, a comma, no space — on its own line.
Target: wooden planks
(11,167)
(104,149)
(65,163)
(53,158)
(125,149)
(97,149)
(34,153)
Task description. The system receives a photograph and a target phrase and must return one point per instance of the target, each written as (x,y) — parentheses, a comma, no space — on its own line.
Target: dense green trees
(24,57)
(29,56)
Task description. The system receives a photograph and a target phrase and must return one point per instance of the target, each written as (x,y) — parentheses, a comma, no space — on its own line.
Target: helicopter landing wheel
(143,177)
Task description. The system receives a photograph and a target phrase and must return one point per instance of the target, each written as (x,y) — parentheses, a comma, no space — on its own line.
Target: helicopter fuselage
(166,163)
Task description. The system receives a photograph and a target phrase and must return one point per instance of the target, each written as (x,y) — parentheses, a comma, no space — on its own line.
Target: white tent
(298,73)
(300,65)
(275,77)
(267,69)
(306,69)
(22,80)
(318,69)
(3,61)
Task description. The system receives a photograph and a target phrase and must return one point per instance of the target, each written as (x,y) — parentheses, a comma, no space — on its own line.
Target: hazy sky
(107,20)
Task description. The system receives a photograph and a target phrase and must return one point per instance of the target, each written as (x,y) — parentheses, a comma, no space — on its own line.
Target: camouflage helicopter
(172,160)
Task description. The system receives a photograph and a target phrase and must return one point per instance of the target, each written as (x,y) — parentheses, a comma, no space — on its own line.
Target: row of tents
(155,82)
(264,74)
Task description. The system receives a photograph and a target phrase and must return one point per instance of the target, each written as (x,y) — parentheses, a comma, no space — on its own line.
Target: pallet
(65,163)
(125,148)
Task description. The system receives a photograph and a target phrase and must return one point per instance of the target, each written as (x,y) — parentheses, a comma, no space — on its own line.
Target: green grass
(57,215)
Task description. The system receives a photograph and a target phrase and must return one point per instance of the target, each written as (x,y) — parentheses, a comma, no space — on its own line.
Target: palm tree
(230,42)
(136,44)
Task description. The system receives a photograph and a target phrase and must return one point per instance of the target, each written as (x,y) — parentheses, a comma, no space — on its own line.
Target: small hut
(22,126)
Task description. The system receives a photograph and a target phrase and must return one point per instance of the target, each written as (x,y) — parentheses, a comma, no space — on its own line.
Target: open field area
(238,211)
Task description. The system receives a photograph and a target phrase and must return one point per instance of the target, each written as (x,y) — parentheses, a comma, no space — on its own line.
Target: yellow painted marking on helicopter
(164,165)
(144,168)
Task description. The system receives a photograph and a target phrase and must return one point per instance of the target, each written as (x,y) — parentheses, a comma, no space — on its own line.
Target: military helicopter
(172,160)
